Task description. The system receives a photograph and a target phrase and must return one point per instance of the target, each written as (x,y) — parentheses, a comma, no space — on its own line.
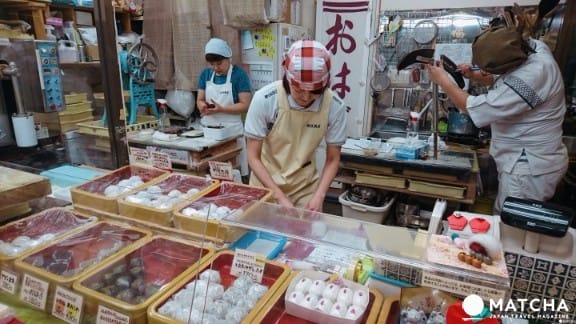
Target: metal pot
(460,124)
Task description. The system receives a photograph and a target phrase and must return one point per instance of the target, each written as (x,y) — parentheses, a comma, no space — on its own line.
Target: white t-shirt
(263,111)
(525,109)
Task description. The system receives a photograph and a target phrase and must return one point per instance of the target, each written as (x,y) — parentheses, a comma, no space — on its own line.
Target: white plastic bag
(181,101)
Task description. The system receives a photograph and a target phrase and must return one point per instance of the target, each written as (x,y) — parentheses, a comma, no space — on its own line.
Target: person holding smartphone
(224,93)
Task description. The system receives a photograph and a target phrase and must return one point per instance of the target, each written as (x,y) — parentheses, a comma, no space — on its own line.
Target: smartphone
(210,105)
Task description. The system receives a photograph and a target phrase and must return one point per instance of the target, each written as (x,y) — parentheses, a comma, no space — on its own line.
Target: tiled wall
(544,279)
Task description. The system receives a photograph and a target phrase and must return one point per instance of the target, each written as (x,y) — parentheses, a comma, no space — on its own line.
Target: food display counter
(394,246)
(191,153)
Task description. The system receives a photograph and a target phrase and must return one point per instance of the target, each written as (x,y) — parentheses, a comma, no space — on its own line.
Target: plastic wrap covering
(132,281)
(70,256)
(172,190)
(19,237)
(214,293)
(101,194)
(121,180)
(229,197)
(156,202)
(202,216)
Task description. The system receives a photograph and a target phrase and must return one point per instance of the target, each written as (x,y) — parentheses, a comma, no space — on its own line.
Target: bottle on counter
(413,128)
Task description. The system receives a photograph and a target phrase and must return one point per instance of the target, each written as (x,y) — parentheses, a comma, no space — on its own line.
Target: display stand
(386,244)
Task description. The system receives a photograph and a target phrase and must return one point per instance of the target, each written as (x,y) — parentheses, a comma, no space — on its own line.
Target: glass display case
(389,246)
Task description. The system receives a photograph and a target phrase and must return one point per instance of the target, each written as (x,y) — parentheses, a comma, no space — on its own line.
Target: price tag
(221,170)
(139,156)
(109,316)
(8,282)
(460,287)
(249,264)
(67,305)
(161,160)
(34,291)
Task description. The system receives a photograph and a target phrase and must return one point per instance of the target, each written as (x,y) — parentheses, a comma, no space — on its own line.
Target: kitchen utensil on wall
(425,31)
(380,80)
(393,27)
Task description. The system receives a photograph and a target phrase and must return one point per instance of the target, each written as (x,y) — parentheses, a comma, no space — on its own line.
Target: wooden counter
(193,154)
(17,188)
(442,178)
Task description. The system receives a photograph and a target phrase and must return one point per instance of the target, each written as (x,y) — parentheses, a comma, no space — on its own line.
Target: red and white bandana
(307,65)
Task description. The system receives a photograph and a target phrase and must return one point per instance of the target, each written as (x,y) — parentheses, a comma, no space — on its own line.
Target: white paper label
(8,282)
(139,156)
(161,160)
(221,170)
(34,291)
(67,305)
(249,264)
(461,288)
(108,316)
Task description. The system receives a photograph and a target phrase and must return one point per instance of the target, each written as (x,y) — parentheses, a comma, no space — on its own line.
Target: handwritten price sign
(108,316)
(67,305)
(221,170)
(249,264)
(34,291)
(8,282)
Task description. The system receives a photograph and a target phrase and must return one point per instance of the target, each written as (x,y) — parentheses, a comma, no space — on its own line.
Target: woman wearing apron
(224,93)
(287,122)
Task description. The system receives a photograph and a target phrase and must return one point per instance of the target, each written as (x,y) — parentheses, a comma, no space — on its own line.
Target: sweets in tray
(156,201)
(203,215)
(212,292)
(35,231)
(101,193)
(129,282)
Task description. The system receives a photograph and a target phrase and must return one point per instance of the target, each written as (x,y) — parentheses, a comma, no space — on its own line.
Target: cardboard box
(92,53)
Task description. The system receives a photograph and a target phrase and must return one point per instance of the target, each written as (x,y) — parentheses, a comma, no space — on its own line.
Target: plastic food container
(127,284)
(313,314)
(275,310)
(167,194)
(275,274)
(364,212)
(35,231)
(96,194)
(66,260)
(264,243)
(202,216)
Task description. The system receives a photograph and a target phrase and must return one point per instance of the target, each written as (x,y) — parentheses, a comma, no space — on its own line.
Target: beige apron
(288,152)
(222,93)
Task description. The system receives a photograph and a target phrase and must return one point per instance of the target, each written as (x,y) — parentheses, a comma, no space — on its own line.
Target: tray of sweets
(203,215)
(213,293)
(130,282)
(65,260)
(101,193)
(156,202)
(32,232)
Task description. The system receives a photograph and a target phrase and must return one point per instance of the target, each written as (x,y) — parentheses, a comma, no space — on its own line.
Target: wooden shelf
(347,179)
(36,12)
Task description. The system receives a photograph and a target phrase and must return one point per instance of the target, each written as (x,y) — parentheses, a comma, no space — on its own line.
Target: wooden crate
(74,98)
(97,127)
